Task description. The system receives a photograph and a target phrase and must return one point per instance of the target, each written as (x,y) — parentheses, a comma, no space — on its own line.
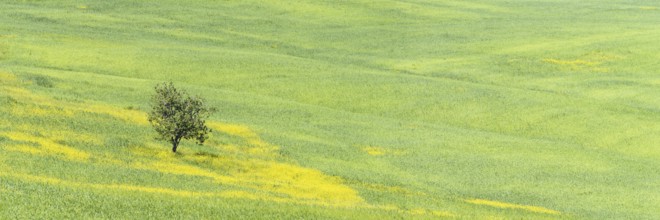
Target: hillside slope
(359,110)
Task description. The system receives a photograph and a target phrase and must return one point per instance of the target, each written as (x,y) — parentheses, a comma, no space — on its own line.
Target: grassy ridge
(418,106)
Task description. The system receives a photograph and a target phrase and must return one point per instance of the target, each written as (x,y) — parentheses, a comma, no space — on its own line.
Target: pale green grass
(426,109)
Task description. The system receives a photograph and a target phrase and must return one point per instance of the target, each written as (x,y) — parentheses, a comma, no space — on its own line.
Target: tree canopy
(175,115)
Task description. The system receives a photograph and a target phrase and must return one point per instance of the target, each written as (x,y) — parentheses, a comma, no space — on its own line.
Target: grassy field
(498,109)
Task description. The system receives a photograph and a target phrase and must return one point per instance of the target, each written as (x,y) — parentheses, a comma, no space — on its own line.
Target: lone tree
(176,115)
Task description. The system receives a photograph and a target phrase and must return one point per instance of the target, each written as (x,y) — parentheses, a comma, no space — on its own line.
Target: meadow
(414,109)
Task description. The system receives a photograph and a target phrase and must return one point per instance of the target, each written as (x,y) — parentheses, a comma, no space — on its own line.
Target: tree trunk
(175,143)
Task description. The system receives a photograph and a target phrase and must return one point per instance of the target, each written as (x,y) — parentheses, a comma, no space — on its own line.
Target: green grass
(533,105)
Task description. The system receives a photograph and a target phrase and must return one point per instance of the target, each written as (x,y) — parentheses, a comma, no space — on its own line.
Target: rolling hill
(413,109)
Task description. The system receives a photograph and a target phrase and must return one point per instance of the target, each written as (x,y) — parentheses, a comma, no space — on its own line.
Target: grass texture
(412,109)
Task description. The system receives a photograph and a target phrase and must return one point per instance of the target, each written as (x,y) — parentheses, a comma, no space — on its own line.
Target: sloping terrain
(330,109)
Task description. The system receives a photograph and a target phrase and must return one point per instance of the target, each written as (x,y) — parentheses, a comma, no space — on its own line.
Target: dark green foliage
(11,101)
(120,142)
(42,81)
(175,115)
